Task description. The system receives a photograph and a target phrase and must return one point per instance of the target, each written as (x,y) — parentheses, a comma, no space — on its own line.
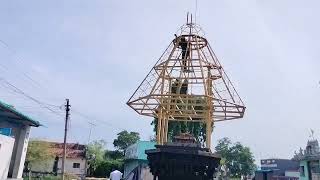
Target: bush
(104,168)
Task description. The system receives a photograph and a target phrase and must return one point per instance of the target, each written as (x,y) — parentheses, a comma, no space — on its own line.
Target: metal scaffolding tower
(189,84)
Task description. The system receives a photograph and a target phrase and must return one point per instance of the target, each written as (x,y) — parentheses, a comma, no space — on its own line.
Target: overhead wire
(89,120)
(14,54)
(19,91)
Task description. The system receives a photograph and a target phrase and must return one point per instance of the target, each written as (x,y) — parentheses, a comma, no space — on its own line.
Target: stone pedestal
(182,161)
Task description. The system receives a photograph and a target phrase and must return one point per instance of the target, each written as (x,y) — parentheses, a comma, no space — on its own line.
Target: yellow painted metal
(187,83)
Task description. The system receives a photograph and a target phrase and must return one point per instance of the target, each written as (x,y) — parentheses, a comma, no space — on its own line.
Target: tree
(38,152)
(238,158)
(125,139)
(95,154)
(113,155)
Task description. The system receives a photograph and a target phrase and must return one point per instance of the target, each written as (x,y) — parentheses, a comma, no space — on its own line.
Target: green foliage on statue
(125,139)
(237,158)
(197,129)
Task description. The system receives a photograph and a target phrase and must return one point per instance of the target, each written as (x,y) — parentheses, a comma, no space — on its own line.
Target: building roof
(74,150)
(8,112)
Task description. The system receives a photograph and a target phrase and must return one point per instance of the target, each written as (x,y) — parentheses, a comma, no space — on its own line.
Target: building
(278,169)
(309,161)
(16,126)
(136,162)
(279,166)
(6,147)
(75,160)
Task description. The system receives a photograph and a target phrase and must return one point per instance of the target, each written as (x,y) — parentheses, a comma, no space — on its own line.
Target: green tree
(113,155)
(238,158)
(38,152)
(125,139)
(95,154)
(104,168)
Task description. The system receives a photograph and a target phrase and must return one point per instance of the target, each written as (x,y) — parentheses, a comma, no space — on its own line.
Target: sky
(97,52)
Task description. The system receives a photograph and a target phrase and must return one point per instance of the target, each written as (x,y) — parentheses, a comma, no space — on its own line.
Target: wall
(143,146)
(46,166)
(135,155)
(69,166)
(304,164)
(6,147)
(20,133)
(292,174)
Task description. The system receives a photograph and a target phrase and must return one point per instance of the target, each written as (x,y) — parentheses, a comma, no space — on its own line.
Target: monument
(187,84)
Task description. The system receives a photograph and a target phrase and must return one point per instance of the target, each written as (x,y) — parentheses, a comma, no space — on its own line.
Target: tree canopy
(38,151)
(237,157)
(125,139)
(95,154)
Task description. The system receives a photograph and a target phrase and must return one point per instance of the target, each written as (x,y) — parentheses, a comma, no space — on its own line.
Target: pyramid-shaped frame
(187,83)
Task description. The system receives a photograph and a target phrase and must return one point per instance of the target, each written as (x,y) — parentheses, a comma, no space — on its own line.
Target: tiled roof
(74,150)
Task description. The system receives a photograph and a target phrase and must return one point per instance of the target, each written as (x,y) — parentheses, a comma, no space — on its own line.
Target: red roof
(74,150)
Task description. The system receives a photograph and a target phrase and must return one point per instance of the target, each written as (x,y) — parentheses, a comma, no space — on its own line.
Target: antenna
(187,17)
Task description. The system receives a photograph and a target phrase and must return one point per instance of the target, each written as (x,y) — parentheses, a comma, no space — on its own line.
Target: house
(16,127)
(278,169)
(309,161)
(6,147)
(75,160)
(279,166)
(136,162)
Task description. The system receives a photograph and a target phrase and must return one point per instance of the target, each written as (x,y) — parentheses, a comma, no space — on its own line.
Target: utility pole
(65,138)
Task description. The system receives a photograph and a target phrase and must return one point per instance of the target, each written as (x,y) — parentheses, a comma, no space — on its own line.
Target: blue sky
(97,52)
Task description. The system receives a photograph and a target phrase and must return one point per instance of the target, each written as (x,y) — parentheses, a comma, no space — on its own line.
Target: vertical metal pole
(209,119)
(65,138)
(159,126)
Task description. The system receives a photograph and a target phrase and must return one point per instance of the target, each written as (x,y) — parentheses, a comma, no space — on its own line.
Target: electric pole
(65,138)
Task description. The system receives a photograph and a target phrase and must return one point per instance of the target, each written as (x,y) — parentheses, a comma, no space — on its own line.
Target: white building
(6,147)
(17,126)
(75,162)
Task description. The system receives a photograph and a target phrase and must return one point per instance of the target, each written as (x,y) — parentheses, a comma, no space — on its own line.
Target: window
(302,171)
(268,161)
(76,165)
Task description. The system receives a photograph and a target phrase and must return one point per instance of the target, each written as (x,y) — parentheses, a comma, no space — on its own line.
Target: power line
(89,119)
(14,53)
(19,91)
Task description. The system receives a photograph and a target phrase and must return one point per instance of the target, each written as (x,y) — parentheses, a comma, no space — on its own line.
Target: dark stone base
(182,161)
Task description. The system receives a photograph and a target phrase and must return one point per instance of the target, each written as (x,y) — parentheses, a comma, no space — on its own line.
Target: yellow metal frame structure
(193,88)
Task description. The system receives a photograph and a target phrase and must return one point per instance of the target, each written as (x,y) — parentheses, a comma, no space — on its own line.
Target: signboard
(269,165)
(5,131)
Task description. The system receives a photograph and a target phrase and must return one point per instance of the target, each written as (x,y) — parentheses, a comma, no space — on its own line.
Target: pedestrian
(115,174)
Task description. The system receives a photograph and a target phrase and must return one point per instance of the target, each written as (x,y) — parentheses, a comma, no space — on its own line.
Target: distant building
(279,166)
(75,160)
(309,161)
(136,162)
(16,127)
